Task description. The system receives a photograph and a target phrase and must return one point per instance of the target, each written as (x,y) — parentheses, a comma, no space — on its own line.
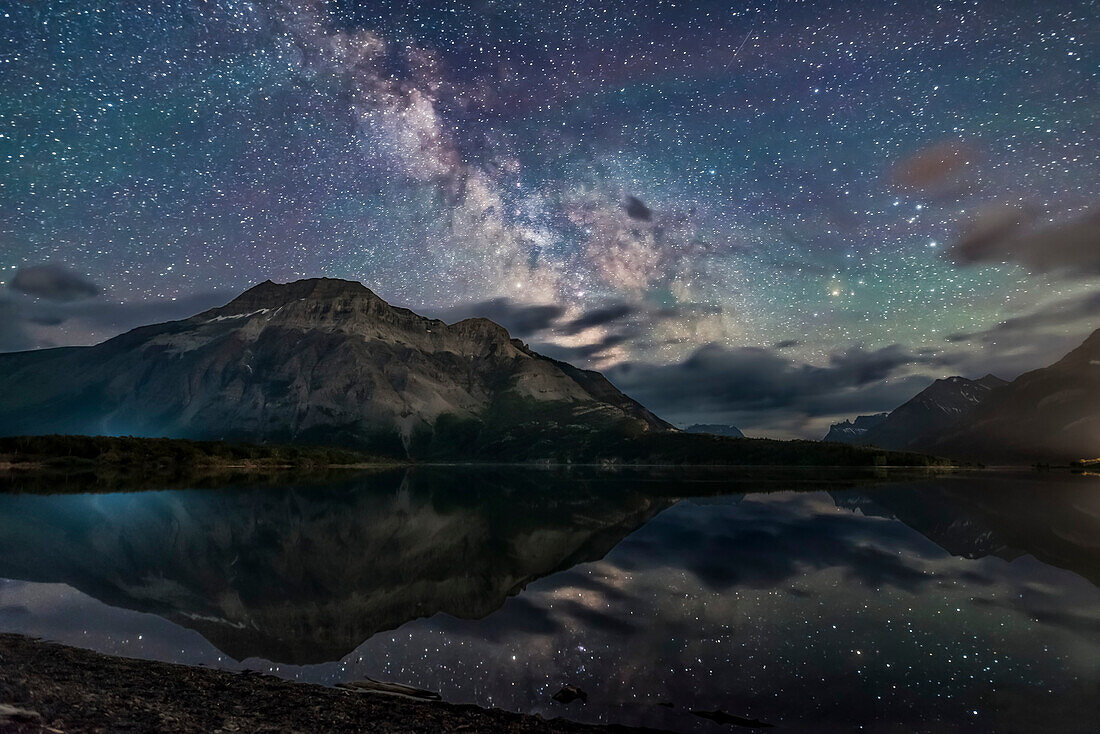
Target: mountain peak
(482,327)
(851,432)
(272,295)
(991,380)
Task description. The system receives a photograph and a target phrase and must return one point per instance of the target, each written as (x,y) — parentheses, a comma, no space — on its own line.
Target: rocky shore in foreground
(45,687)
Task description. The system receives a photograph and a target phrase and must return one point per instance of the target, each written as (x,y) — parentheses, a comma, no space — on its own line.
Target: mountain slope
(318,360)
(1049,414)
(932,410)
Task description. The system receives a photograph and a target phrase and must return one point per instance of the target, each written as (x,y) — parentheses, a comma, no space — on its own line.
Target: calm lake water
(813,603)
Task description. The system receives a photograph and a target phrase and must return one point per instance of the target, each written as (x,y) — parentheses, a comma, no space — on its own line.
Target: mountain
(853,432)
(931,411)
(318,361)
(328,362)
(1048,414)
(716,429)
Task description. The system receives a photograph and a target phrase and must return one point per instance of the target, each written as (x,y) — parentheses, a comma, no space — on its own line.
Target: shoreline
(49,687)
(53,480)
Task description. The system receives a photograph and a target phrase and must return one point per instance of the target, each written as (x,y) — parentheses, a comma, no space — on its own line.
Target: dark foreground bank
(46,687)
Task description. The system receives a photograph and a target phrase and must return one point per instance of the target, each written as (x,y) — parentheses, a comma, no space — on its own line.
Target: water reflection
(933,605)
(305,575)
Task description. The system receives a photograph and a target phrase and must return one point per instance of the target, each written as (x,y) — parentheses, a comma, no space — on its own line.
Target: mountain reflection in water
(944,603)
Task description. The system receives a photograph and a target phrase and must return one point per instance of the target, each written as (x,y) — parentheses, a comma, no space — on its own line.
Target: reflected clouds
(856,606)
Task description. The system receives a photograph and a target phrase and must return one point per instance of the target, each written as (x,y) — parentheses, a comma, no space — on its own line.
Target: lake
(808,601)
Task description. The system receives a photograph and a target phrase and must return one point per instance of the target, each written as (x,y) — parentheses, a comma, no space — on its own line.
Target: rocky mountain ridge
(321,361)
(852,431)
(930,411)
(1048,414)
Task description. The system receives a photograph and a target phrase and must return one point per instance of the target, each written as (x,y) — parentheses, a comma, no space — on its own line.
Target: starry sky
(805,210)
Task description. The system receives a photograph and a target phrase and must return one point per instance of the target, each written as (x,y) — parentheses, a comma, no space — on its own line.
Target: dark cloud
(46,319)
(1033,339)
(1047,608)
(937,168)
(520,319)
(540,324)
(686,309)
(599,317)
(786,344)
(53,282)
(600,621)
(1066,312)
(749,376)
(611,593)
(753,387)
(29,324)
(518,617)
(580,355)
(1069,246)
(857,366)
(636,209)
(13,331)
(631,323)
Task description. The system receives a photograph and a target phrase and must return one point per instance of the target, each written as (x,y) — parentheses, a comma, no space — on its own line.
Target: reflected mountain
(305,575)
(1056,521)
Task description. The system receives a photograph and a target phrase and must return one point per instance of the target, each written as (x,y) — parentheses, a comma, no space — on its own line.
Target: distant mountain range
(853,431)
(325,361)
(716,429)
(314,361)
(328,362)
(1049,414)
(931,410)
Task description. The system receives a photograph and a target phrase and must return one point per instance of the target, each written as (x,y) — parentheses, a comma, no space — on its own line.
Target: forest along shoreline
(73,463)
(65,464)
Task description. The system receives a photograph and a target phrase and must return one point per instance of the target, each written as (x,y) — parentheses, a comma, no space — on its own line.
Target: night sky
(773,214)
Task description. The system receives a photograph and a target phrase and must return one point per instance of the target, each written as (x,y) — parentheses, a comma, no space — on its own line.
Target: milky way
(875,192)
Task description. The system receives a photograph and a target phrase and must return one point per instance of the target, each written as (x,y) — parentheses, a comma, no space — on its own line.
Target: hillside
(1048,414)
(316,361)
